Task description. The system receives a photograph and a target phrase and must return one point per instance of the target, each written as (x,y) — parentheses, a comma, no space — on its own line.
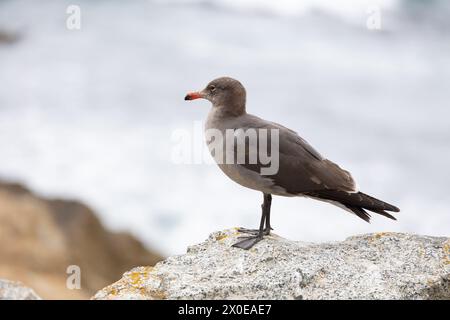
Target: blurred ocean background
(89,114)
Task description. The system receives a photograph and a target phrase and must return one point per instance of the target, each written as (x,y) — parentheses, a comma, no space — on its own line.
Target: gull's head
(224,92)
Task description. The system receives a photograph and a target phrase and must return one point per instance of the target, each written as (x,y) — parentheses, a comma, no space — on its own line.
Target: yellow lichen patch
(380,235)
(136,283)
(421,251)
(138,277)
(221,236)
(114,289)
(446,248)
(113,292)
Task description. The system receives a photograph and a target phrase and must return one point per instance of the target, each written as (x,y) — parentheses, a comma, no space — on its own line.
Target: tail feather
(360,212)
(384,213)
(357,202)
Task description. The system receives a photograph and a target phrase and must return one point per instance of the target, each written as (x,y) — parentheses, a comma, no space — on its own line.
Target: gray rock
(11,290)
(373,266)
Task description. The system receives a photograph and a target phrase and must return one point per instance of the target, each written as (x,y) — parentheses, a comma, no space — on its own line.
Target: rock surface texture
(10,290)
(373,266)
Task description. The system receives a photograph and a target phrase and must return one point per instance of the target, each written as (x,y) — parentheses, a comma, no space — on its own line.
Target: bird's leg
(267,204)
(257,235)
(266,211)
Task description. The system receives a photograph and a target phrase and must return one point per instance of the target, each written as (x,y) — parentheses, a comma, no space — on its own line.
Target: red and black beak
(193,95)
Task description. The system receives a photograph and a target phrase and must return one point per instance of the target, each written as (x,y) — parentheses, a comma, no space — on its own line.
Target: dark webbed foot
(257,235)
(248,242)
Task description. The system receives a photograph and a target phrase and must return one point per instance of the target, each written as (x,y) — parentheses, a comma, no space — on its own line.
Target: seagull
(301,170)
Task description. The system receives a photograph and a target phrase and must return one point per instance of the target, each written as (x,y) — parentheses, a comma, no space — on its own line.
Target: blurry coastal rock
(8,37)
(40,238)
(10,290)
(372,266)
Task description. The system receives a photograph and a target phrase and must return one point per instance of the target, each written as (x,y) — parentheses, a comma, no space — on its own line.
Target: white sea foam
(90,114)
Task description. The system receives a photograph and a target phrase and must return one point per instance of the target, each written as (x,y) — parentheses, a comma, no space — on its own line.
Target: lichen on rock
(372,266)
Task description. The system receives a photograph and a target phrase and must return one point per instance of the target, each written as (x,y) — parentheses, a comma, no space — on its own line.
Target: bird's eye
(212,88)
